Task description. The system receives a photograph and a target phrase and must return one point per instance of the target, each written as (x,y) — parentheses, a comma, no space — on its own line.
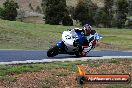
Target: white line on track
(62,60)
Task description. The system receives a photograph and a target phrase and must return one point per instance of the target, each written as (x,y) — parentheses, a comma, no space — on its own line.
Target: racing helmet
(87,29)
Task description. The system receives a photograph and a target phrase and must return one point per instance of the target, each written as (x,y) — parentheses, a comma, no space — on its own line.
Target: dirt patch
(64,78)
(107,46)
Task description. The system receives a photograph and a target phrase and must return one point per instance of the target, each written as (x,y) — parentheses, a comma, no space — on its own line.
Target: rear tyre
(52,51)
(77,54)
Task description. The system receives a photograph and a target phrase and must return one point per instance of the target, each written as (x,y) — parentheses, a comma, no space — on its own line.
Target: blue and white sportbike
(72,43)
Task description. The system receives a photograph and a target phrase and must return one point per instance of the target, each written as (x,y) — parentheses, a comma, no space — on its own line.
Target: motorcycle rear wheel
(77,54)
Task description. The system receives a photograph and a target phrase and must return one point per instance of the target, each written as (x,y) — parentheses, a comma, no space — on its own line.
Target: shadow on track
(67,56)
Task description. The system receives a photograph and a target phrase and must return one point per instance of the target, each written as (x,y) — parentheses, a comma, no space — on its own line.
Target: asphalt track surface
(24,55)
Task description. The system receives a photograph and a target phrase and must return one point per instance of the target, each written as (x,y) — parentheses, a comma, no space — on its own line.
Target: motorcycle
(70,44)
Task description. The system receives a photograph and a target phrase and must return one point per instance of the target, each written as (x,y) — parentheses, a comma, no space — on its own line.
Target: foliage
(67,21)
(9,10)
(1,12)
(122,11)
(84,11)
(99,16)
(43,5)
(107,21)
(21,14)
(29,36)
(31,7)
(71,10)
(38,9)
(129,22)
(130,7)
(104,15)
(54,11)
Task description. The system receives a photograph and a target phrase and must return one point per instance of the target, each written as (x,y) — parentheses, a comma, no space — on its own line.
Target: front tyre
(52,51)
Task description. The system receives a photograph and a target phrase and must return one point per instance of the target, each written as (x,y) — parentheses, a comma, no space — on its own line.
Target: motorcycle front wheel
(53,51)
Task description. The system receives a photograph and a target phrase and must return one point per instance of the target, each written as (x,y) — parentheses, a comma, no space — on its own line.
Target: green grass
(18,35)
(120,38)
(114,61)
(71,66)
(61,74)
(17,69)
(8,78)
(6,71)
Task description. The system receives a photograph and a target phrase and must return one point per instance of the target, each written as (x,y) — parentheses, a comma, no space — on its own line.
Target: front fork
(62,47)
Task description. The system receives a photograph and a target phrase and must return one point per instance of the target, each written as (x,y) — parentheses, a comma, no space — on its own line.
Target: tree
(108,4)
(122,11)
(67,20)
(1,13)
(99,17)
(43,5)
(54,11)
(38,9)
(9,10)
(130,7)
(31,7)
(71,10)
(129,22)
(84,11)
(21,14)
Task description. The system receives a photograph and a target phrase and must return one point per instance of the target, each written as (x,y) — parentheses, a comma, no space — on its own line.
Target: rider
(85,32)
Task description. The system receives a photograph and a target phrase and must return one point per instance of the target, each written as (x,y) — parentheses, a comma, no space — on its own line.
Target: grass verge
(72,66)
(19,35)
(62,74)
